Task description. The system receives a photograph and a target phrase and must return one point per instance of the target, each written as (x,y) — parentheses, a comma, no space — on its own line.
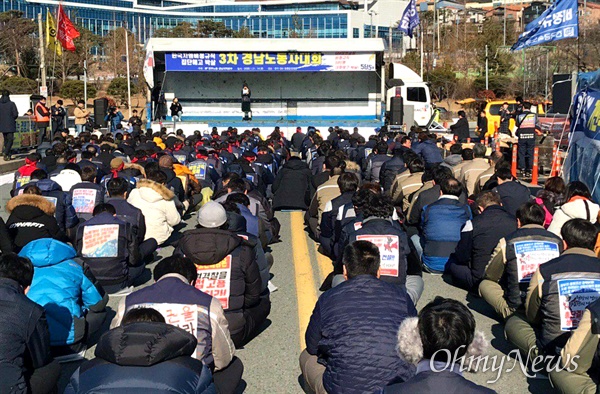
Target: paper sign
(182,159)
(215,280)
(51,199)
(100,241)
(368,151)
(574,295)
(198,169)
(178,315)
(530,254)
(389,252)
(84,200)
(22,181)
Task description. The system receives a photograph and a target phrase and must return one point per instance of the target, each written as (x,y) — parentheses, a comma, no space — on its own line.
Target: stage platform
(366,127)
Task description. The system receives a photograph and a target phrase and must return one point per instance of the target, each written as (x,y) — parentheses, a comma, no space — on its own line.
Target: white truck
(404,82)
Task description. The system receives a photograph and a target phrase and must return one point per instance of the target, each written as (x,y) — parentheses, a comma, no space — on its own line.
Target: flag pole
(42,55)
(128,72)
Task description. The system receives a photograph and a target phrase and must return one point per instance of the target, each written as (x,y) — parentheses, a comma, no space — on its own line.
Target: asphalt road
(271,359)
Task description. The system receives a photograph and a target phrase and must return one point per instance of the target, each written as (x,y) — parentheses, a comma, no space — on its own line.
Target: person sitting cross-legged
(558,293)
(143,355)
(351,336)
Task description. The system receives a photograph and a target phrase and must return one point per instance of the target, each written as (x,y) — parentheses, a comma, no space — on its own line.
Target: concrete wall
(289,86)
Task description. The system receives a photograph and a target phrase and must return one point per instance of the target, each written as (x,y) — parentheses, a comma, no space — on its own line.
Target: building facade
(263,19)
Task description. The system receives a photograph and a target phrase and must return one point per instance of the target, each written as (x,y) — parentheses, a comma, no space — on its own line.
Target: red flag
(66,31)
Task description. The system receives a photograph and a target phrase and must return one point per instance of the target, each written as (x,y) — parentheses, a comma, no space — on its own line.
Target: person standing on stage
(58,117)
(176,110)
(42,119)
(135,122)
(246,100)
(156,93)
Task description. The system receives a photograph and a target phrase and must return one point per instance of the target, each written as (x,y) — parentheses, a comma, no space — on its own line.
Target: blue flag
(410,19)
(558,22)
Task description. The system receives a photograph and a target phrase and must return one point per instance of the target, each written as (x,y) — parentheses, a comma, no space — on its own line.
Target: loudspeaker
(397,111)
(561,93)
(100,110)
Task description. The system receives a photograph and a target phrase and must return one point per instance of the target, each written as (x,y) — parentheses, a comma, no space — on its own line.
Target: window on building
(356,33)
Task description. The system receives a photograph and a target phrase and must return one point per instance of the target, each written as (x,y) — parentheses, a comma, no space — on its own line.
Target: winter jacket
(392,243)
(157,204)
(147,357)
(8,115)
(130,214)
(81,115)
(452,161)
(513,194)
(67,179)
(414,209)
(389,170)
(576,208)
(353,331)
(6,240)
(23,175)
(432,382)
(174,183)
(173,292)
(442,222)
(25,343)
(65,214)
(291,188)
(516,258)
(461,129)
(403,188)
(31,217)
(478,239)
(469,173)
(574,276)
(332,208)
(63,288)
(109,247)
(429,152)
(221,251)
(325,193)
(85,196)
(424,198)
(374,163)
(585,344)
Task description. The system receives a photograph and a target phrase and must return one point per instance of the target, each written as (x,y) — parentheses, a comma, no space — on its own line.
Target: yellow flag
(51,42)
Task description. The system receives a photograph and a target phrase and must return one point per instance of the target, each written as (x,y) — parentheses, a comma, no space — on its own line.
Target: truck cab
(404,82)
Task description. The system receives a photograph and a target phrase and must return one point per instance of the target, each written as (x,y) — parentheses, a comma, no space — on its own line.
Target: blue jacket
(143,357)
(61,286)
(429,152)
(442,223)
(353,330)
(65,212)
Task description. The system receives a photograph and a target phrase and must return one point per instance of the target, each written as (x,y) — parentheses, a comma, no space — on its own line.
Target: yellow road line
(324,262)
(306,291)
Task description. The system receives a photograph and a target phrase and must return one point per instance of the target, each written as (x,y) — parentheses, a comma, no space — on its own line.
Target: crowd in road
(88,213)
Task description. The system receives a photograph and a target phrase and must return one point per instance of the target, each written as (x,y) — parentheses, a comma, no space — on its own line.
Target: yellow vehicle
(492,110)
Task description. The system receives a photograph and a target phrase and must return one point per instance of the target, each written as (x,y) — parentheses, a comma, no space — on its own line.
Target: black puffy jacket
(353,330)
(26,337)
(292,186)
(31,217)
(224,250)
(389,170)
(148,356)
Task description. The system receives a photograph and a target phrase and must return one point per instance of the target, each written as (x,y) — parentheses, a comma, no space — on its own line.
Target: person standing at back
(41,115)
(8,123)
(58,117)
(527,129)
(81,117)
(461,128)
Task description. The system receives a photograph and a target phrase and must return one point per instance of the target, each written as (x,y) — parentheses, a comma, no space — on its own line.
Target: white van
(409,85)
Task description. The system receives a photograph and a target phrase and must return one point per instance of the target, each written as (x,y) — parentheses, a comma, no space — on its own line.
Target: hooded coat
(210,246)
(291,188)
(31,217)
(145,356)
(63,288)
(157,204)
(579,208)
(8,115)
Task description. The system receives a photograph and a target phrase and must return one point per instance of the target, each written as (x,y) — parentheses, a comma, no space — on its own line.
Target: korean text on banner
(178,315)
(215,280)
(100,241)
(269,62)
(389,252)
(84,200)
(574,296)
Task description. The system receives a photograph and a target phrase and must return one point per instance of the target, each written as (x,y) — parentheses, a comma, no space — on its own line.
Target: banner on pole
(410,19)
(558,22)
(66,32)
(51,42)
